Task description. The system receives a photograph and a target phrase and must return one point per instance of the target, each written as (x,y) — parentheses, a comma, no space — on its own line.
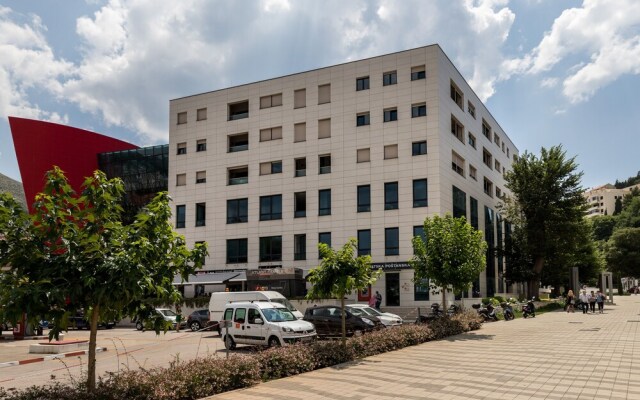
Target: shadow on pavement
(467,337)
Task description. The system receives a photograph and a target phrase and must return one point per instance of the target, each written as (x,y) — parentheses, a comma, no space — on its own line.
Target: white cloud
(549,82)
(602,35)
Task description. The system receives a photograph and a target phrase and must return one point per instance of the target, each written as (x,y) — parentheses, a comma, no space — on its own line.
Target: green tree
(618,206)
(602,226)
(74,253)
(339,274)
(547,204)
(453,255)
(623,252)
(629,217)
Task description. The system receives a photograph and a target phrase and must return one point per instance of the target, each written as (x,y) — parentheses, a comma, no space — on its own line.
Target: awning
(211,278)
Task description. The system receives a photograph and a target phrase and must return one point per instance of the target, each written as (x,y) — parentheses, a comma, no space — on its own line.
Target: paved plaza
(554,356)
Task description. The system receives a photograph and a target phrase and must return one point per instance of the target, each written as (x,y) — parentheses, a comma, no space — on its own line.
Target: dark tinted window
(420,193)
(364,242)
(270,207)
(237,211)
(391,242)
(391,196)
(324,200)
(181,216)
(364,198)
(271,248)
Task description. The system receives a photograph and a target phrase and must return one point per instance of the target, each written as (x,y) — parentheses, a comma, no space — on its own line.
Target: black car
(198,320)
(79,321)
(328,321)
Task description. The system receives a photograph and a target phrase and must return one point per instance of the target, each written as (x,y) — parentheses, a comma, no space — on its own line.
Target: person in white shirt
(584,301)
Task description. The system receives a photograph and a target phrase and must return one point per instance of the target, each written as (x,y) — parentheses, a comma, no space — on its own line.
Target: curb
(51,357)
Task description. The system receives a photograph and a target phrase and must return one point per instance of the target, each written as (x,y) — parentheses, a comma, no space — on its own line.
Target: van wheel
(195,326)
(274,342)
(139,325)
(229,343)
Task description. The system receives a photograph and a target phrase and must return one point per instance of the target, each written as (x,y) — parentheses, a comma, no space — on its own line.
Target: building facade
(602,199)
(263,172)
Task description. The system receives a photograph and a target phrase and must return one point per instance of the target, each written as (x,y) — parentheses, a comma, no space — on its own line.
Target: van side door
(239,319)
(255,330)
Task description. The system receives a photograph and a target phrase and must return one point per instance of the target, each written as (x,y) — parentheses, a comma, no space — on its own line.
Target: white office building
(264,171)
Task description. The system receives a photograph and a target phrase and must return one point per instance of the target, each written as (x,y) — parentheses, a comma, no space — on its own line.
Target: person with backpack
(600,301)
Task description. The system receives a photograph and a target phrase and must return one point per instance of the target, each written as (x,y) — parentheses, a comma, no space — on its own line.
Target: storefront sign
(392,266)
(274,273)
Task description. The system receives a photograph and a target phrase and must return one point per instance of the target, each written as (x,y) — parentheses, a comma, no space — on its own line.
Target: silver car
(388,319)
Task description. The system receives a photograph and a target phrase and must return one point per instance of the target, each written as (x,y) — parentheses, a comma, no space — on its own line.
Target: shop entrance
(392,285)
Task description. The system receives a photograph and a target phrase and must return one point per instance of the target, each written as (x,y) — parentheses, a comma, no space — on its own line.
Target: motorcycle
(435,313)
(507,311)
(453,310)
(529,309)
(487,313)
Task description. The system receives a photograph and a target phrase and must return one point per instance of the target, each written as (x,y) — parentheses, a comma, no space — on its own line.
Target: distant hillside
(14,187)
(634,180)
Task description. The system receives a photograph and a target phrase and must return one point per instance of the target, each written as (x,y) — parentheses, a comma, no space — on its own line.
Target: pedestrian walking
(372,300)
(600,301)
(178,317)
(584,301)
(378,300)
(592,302)
(571,301)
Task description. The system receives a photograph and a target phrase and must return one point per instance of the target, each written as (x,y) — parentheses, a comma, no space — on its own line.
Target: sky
(550,71)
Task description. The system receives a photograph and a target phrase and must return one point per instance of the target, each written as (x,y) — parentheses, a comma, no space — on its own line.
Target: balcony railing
(325,170)
(239,181)
(233,117)
(301,172)
(240,147)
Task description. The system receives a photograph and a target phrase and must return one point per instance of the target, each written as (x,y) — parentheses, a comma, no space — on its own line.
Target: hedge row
(212,375)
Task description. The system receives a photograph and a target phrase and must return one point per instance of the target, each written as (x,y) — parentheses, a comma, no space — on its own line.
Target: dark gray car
(198,320)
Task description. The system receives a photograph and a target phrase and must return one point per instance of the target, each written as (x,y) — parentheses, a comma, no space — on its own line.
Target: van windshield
(278,315)
(285,303)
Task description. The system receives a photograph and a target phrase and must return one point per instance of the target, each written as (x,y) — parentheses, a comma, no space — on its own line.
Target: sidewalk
(553,356)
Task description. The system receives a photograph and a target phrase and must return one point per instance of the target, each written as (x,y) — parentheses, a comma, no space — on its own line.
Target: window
(301,167)
(499,193)
(324,237)
(390,114)
(181,216)
(362,119)
(473,206)
(418,110)
(300,98)
(362,83)
(325,164)
(238,176)
(456,95)
(459,203)
(472,140)
(488,187)
(182,118)
(201,214)
(471,109)
(496,139)
(238,110)
(486,130)
(390,151)
(201,145)
(457,163)
(324,128)
(181,179)
(300,204)
(236,251)
(487,158)
(420,193)
(270,207)
(497,165)
(237,211)
(473,172)
(419,148)
(418,73)
(508,153)
(300,132)
(271,248)
(239,142)
(270,134)
(418,230)
(273,100)
(364,198)
(182,148)
(363,155)
(457,129)
(391,196)
(201,177)
(389,78)
(324,94)
(324,202)
(420,289)
(201,114)
(391,242)
(271,167)
(364,242)
(300,247)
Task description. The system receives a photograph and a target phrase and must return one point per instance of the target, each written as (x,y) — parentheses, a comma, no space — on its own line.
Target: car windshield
(371,311)
(285,303)
(356,311)
(278,314)
(167,313)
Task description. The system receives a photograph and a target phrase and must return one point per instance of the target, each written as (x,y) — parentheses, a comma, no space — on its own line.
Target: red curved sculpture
(40,145)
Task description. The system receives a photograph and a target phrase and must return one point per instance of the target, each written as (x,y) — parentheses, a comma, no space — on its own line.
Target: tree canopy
(453,255)
(73,253)
(340,273)
(623,252)
(547,205)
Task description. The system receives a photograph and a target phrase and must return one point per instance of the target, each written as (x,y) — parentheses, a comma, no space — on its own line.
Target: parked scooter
(529,309)
(487,313)
(507,311)
(435,313)
(453,310)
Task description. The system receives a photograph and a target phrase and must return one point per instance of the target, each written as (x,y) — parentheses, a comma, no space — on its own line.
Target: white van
(264,323)
(219,300)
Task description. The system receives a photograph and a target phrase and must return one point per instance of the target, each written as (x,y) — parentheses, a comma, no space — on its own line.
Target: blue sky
(551,72)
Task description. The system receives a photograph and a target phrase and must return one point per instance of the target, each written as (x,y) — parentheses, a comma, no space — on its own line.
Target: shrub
(285,361)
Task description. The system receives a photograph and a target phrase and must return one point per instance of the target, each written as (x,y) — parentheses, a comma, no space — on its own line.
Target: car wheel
(358,332)
(139,325)
(195,326)
(229,343)
(274,342)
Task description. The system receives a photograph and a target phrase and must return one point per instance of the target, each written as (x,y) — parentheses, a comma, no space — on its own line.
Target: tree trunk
(91,373)
(444,299)
(344,322)
(534,283)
